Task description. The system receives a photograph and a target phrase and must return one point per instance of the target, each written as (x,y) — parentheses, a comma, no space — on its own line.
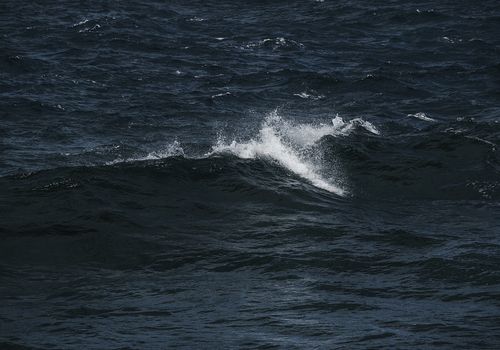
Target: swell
(418,158)
(290,145)
(439,161)
(138,195)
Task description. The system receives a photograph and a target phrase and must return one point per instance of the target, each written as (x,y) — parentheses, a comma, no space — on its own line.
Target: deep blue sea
(249,174)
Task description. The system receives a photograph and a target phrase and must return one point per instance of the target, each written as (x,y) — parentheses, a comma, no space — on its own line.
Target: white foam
(90,29)
(288,144)
(196,19)
(81,22)
(173,149)
(227,93)
(306,95)
(422,116)
(346,128)
(275,43)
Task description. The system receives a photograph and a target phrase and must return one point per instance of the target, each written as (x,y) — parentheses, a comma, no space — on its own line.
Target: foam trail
(286,143)
(173,149)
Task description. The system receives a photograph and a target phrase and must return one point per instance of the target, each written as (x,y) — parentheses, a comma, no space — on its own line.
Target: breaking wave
(292,146)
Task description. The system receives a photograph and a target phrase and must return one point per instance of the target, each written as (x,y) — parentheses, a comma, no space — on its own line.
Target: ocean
(249,174)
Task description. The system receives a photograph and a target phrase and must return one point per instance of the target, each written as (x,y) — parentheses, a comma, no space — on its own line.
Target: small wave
(347,127)
(90,29)
(422,116)
(306,95)
(80,23)
(274,43)
(227,93)
(196,19)
(173,149)
(451,40)
(485,189)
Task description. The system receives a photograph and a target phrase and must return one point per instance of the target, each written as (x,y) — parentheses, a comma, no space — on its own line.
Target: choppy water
(226,174)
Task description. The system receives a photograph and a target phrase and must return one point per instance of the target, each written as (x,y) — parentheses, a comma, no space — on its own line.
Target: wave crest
(294,146)
(291,146)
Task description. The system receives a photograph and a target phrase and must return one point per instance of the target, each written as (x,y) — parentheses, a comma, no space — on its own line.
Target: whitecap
(80,23)
(291,145)
(287,144)
(173,149)
(306,95)
(346,128)
(274,43)
(422,116)
(90,29)
(221,94)
(196,19)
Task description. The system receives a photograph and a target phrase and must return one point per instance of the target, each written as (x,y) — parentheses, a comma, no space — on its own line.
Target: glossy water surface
(249,174)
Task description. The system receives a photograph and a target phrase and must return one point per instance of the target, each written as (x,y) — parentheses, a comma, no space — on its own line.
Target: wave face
(290,146)
(286,175)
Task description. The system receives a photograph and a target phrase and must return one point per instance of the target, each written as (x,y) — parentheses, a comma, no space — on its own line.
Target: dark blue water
(249,174)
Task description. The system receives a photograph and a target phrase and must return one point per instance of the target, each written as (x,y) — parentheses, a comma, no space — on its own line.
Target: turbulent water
(229,174)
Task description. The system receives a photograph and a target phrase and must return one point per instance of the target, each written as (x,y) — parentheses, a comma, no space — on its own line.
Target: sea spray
(291,146)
